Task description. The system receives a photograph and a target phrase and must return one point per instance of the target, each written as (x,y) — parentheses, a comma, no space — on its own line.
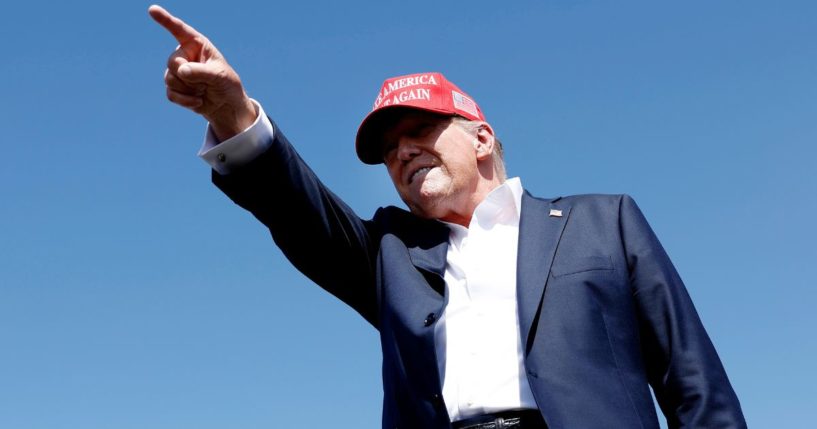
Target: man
(495,309)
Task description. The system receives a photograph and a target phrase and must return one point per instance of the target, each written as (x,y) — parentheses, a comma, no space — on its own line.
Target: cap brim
(369,142)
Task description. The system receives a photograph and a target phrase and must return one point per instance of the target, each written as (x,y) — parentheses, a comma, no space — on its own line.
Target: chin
(427,201)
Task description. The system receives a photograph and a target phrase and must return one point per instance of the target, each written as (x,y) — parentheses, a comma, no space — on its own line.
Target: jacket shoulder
(589,200)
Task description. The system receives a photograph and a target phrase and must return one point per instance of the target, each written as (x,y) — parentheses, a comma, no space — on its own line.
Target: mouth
(418,172)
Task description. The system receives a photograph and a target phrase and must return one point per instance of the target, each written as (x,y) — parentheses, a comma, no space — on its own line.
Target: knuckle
(175,60)
(171,79)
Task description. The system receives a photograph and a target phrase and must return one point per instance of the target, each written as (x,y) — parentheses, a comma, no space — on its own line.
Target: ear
(484,143)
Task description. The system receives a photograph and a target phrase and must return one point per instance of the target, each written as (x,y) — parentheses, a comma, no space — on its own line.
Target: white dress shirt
(479,350)
(477,338)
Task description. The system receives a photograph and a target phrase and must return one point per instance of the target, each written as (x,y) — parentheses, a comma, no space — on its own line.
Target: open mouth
(418,172)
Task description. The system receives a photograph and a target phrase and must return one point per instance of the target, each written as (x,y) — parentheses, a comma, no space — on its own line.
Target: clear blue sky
(133,294)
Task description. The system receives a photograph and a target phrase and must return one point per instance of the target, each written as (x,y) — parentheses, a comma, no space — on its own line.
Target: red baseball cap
(430,92)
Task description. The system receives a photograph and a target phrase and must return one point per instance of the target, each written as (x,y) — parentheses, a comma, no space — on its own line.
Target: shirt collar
(502,205)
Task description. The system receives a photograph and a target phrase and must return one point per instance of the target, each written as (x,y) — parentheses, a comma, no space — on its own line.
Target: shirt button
(221,157)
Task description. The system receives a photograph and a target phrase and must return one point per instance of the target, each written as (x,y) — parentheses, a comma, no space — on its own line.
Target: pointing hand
(200,79)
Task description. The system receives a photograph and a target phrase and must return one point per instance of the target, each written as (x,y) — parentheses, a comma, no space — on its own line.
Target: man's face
(432,163)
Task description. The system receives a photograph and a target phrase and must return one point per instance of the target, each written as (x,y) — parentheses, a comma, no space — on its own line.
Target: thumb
(197,73)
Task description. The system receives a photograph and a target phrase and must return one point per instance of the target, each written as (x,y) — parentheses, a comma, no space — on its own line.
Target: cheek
(392,172)
(459,169)
(395,179)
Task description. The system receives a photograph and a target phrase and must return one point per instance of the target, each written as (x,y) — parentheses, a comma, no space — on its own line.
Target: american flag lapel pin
(555,213)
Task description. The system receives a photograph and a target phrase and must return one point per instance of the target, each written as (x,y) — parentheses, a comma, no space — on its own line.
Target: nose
(407,149)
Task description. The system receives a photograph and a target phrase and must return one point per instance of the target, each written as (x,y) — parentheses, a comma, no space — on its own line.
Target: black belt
(514,419)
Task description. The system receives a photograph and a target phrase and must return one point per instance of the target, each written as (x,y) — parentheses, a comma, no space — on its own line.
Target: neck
(469,204)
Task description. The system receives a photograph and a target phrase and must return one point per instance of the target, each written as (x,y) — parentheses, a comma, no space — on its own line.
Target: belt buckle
(498,423)
(512,422)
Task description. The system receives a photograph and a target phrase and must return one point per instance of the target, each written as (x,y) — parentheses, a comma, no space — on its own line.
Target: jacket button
(430,319)
(437,400)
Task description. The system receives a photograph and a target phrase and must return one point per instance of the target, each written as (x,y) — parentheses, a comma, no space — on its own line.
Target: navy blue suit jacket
(602,312)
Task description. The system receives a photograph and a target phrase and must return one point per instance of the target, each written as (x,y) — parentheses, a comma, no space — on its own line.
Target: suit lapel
(431,258)
(539,235)
(428,249)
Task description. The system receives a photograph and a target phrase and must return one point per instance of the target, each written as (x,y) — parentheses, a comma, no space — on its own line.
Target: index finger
(178,28)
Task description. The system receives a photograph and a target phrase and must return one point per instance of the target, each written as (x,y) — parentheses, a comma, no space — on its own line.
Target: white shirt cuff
(239,150)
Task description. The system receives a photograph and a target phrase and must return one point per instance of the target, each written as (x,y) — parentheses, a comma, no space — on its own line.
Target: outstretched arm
(316,230)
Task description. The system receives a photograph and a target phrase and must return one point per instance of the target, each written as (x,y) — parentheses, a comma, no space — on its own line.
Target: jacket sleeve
(316,230)
(683,367)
